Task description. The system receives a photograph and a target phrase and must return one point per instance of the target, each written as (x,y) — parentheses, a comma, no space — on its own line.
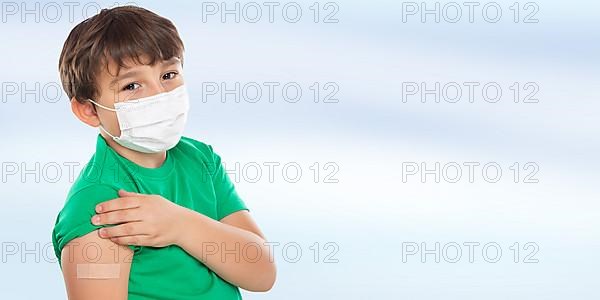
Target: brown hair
(116,34)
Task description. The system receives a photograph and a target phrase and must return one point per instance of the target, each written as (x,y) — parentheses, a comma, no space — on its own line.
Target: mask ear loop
(107,108)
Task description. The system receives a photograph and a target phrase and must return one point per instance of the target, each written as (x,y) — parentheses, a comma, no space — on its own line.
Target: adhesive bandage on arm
(98,271)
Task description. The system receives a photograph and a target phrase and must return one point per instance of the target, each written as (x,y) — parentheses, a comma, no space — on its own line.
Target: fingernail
(102,232)
(99,208)
(96,219)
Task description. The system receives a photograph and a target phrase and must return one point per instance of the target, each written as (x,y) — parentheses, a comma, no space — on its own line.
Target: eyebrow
(124,76)
(171,61)
(166,63)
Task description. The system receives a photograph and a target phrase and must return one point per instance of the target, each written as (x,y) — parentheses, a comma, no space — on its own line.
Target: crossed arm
(208,240)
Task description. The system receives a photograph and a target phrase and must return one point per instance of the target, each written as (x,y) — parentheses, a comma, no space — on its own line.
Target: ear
(85,112)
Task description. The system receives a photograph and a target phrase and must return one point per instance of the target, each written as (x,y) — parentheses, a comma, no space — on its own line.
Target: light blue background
(368,135)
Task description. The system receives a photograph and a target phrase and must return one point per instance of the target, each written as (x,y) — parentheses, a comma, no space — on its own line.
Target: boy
(172,225)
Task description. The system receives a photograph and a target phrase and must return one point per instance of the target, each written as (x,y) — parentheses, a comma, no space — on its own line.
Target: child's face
(134,81)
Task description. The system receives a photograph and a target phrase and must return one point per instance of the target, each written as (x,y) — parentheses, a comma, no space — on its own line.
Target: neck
(146,160)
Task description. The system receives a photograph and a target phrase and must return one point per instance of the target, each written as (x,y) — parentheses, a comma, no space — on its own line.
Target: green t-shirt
(191,176)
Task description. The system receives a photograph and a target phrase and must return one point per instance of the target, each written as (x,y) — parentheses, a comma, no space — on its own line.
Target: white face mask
(152,124)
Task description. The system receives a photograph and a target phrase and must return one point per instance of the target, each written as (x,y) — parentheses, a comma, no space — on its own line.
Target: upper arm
(74,220)
(227,197)
(103,268)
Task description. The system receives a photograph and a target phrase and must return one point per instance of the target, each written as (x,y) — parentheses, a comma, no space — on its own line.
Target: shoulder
(82,197)
(74,219)
(190,144)
(196,149)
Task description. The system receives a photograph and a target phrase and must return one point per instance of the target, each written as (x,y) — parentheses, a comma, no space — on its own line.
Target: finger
(117,216)
(124,193)
(118,203)
(126,229)
(138,240)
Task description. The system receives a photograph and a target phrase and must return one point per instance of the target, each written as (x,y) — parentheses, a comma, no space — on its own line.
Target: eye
(169,75)
(132,86)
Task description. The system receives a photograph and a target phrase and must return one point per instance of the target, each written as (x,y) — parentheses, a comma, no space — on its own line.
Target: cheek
(110,123)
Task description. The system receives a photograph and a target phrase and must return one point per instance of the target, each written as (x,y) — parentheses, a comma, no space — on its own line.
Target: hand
(144,220)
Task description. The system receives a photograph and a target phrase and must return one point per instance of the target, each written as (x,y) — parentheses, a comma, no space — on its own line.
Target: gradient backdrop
(383,182)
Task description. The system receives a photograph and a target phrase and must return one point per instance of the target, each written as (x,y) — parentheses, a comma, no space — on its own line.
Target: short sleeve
(74,220)
(228,200)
